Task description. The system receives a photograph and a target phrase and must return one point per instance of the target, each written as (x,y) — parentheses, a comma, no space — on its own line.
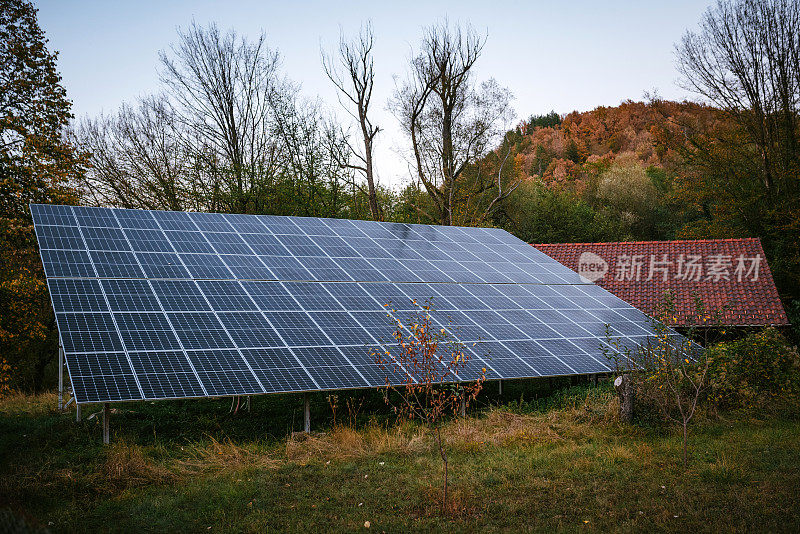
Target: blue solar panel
(155,304)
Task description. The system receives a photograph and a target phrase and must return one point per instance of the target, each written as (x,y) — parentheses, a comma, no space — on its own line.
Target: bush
(754,371)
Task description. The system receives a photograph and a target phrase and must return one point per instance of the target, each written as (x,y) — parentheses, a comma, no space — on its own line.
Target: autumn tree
(450,120)
(742,173)
(36,165)
(352,72)
(745,59)
(440,375)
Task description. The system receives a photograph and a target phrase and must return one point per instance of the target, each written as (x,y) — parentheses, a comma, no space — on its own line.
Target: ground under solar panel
(158,305)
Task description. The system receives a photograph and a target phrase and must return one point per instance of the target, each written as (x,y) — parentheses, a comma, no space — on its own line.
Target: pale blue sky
(562,56)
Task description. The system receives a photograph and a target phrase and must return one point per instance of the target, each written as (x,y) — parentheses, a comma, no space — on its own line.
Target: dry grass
(551,465)
(127,466)
(344,442)
(502,427)
(461,502)
(18,403)
(498,426)
(223,456)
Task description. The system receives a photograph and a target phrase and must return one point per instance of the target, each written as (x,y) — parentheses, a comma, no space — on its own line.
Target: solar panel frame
(128,282)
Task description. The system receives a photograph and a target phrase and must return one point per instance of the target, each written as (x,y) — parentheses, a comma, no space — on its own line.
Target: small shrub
(754,371)
(434,365)
(668,373)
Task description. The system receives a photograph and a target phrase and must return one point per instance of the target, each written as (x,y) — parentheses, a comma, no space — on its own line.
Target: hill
(562,150)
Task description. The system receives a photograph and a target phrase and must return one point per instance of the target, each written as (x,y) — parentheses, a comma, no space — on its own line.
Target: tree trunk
(374,209)
(624,386)
(443,453)
(685,452)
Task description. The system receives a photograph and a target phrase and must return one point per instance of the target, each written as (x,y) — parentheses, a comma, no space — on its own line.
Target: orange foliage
(635,130)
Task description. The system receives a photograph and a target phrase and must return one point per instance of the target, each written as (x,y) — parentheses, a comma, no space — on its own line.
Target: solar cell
(330,368)
(286,268)
(67,264)
(226,243)
(129,295)
(250,330)
(161,265)
(136,219)
(103,376)
(342,328)
(200,330)
(224,372)
(265,244)
(147,240)
(205,266)
(88,332)
(60,237)
(153,304)
(270,296)
(297,329)
(146,331)
(312,296)
(279,370)
(226,295)
(115,264)
(69,295)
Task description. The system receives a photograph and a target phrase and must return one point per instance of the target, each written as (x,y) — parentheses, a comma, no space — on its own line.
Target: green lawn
(559,464)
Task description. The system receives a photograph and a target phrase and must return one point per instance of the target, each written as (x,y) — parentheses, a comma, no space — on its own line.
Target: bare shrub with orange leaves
(433,363)
(668,371)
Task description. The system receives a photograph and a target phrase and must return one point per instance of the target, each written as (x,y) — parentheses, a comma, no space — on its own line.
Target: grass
(557,463)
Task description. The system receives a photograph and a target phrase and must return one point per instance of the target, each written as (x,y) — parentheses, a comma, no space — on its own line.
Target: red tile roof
(728,275)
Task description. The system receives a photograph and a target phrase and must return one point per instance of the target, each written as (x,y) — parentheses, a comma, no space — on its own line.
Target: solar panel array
(157,304)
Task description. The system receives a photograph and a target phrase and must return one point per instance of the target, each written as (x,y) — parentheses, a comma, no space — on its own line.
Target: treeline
(230,132)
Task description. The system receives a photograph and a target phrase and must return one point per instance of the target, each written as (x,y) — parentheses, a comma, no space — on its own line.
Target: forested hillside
(645,171)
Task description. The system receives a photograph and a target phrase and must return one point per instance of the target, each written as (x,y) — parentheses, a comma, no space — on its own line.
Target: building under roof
(730,276)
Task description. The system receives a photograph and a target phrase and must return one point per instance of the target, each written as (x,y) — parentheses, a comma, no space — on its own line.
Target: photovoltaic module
(160,305)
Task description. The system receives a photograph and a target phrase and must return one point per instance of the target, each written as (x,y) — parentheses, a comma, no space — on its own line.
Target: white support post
(306,413)
(106,417)
(500,388)
(77,413)
(60,377)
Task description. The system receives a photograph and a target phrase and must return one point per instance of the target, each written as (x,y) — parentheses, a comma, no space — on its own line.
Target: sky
(558,56)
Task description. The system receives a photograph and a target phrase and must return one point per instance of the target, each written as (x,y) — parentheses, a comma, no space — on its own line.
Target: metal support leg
(77,413)
(594,380)
(500,388)
(307,413)
(106,417)
(463,406)
(60,377)
(248,404)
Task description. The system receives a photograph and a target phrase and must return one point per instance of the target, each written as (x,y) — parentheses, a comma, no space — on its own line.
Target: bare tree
(312,145)
(229,134)
(353,74)
(745,59)
(449,119)
(137,158)
(221,86)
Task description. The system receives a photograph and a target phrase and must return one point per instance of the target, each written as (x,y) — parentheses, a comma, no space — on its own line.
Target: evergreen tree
(36,165)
